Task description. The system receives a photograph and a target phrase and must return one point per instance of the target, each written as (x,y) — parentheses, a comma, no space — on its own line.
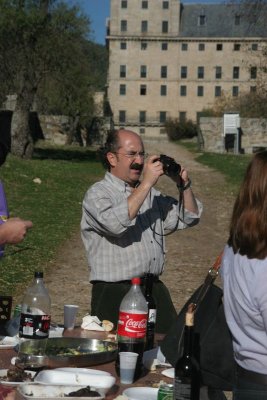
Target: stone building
(171,60)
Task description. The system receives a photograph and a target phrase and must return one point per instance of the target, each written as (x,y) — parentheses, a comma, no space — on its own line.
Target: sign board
(231,123)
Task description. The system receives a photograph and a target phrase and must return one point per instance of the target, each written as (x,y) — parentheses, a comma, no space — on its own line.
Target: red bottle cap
(136,281)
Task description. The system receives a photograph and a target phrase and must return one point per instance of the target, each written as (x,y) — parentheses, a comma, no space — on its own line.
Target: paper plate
(41,392)
(168,372)
(141,393)
(83,371)
(3,372)
(8,342)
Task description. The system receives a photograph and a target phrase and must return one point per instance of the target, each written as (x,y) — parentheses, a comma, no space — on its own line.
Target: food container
(46,392)
(65,352)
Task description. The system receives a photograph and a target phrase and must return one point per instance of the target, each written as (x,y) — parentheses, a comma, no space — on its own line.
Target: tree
(39,40)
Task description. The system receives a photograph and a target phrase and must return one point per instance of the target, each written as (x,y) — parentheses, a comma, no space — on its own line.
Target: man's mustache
(139,167)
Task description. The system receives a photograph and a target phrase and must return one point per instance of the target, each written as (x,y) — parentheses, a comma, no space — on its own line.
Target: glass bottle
(152,312)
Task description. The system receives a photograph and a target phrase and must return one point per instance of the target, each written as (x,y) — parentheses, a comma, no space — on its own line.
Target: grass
(54,206)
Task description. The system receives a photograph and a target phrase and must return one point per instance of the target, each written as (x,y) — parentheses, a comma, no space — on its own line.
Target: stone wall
(253,135)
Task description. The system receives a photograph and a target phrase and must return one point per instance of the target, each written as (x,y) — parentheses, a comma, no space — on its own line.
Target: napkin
(92,323)
(153,358)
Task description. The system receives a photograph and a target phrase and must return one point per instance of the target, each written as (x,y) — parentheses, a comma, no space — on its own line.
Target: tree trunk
(21,140)
(74,133)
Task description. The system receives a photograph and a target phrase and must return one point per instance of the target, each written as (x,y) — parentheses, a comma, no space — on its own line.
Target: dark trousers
(107,297)
(247,390)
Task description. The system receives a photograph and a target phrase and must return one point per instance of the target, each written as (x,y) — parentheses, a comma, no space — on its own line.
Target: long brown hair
(248,227)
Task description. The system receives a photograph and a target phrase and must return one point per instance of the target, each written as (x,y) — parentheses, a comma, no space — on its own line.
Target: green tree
(40,40)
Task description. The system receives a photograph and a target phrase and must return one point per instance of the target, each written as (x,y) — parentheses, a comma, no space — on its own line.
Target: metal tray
(44,353)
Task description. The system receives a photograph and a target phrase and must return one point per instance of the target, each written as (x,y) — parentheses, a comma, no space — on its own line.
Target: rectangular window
(143,45)
(182,116)
(142,117)
(164,46)
(123,45)
(142,90)
(184,46)
(122,116)
(142,131)
(165,26)
(253,89)
(183,90)
(145,4)
(165,5)
(201,46)
(237,19)
(183,72)
(122,71)
(122,90)
(235,72)
(163,71)
(235,91)
(253,72)
(219,46)
(237,46)
(200,72)
(123,3)
(162,117)
(144,26)
(202,20)
(254,46)
(218,91)
(123,25)
(218,72)
(200,91)
(143,71)
(163,90)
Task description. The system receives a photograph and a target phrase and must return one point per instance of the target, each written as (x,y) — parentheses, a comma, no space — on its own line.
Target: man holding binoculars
(125,221)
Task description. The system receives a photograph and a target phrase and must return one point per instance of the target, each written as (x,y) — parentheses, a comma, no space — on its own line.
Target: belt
(251,376)
(128,281)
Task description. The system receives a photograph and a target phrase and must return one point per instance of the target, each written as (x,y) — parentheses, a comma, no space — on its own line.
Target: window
(144,4)
(218,72)
(253,89)
(122,71)
(237,19)
(184,46)
(142,117)
(162,117)
(183,72)
(200,91)
(122,90)
(164,46)
(142,131)
(202,20)
(164,71)
(122,116)
(163,90)
(143,45)
(253,72)
(182,116)
(236,73)
(254,46)
(143,71)
(142,90)
(183,90)
(165,26)
(123,45)
(235,91)
(218,91)
(165,5)
(201,46)
(200,72)
(144,26)
(237,46)
(123,25)
(219,46)
(123,3)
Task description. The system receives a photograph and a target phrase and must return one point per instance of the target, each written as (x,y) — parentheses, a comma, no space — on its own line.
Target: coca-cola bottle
(152,312)
(131,331)
(35,310)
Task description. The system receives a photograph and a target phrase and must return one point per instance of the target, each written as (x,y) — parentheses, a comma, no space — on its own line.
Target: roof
(220,20)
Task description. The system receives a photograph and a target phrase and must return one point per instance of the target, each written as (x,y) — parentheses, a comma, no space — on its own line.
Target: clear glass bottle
(35,310)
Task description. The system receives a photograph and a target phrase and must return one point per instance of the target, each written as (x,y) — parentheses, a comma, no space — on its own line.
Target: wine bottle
(152,312)
(186,382)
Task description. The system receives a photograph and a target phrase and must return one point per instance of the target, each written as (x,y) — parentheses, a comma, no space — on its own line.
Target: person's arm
(183,183)
(13,230)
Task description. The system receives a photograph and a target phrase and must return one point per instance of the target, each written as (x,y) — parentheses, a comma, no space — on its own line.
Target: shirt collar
(119,183)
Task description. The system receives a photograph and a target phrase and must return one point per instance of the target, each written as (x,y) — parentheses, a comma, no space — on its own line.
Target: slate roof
(220,21)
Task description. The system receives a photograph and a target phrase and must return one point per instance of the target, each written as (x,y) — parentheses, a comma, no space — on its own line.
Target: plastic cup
(127,366)
(70,312)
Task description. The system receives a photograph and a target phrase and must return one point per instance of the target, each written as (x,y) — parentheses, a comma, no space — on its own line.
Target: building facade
(172,60)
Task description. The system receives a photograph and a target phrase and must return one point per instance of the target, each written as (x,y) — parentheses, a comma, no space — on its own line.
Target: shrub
(177,130)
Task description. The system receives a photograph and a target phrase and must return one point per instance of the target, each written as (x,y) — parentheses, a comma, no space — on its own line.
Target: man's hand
(153,169)
(14,230)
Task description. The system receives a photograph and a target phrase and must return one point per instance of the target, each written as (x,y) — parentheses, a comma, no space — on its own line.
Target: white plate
(84,371)
(55,377)
(3,373)
(141,393)
(168,372)
(41,392)
(8,342)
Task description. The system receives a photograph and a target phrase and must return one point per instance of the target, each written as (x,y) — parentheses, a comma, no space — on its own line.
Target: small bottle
(131,332)
(152,312)
(186,381)
(35,310)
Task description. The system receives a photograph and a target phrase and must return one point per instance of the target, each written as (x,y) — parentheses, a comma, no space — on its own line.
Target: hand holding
(14,230)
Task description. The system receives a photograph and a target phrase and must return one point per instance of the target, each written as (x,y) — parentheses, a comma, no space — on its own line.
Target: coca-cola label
(132,325)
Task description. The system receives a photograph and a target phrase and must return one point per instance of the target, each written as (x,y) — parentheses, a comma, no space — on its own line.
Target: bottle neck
(149,284)
(188,340)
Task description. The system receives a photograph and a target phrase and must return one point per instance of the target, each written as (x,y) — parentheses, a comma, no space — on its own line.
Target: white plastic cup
(127,366)
(70,312)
